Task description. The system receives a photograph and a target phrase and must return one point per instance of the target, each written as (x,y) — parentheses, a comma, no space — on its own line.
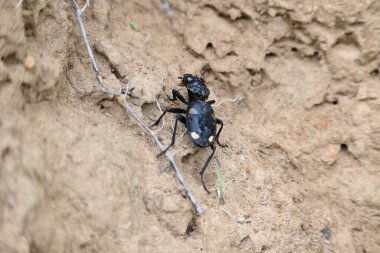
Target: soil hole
(270,55)
(5,152)
(186,158)
(252,72)
(206,70)
(225,74)
(10,59)
(375,72)
(344,147)
(29,30)
(316,56)
(191,226)
(150,109)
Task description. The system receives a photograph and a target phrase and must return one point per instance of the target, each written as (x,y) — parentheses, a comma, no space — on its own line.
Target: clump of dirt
(301,172)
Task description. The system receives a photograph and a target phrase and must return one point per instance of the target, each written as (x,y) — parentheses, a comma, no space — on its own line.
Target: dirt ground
(302,168)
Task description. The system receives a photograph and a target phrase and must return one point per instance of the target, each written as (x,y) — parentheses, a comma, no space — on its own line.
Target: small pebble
(326,233)
(29,62)
(305,226)
(329,155)
(164,6)
(272,12)
(241,220)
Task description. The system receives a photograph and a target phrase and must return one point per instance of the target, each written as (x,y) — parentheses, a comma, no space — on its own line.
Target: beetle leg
(181,119)
(220,122)
(205,166)
(172,110)
(210,102)
(177,95)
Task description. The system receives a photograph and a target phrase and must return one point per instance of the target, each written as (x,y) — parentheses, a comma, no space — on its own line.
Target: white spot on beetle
(194,135)
(193,111)
(211,138)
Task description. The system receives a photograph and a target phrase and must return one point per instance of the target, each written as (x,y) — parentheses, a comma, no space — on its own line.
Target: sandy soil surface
(302,170)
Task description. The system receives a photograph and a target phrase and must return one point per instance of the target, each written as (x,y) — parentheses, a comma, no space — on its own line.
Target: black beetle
(200,119)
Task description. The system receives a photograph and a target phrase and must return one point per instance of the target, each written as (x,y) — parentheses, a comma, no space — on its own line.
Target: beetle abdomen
(201,123)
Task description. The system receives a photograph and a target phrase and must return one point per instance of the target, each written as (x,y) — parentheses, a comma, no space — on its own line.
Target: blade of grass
(220,181)
(134,25)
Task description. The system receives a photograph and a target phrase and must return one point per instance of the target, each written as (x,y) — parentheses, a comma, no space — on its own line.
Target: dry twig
(237,99)
(163,119)
(85,6)
(121,98)
(19,3)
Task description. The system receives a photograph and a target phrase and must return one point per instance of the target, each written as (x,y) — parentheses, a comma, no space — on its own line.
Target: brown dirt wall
(302,168)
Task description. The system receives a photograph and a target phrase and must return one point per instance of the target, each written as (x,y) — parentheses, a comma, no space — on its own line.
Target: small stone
(305,226)
(29,62)
(241,220)
(234,13)
(272,12)
(329,155)
(326,233)
(248,170)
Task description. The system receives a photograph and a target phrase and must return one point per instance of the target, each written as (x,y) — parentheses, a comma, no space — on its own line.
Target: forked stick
(121,98)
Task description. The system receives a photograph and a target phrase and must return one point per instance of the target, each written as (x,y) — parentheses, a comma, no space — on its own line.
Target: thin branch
(19,3)
(163,119)
(237,99)
(121,98)
(78,15)
(164,6)
(85,5)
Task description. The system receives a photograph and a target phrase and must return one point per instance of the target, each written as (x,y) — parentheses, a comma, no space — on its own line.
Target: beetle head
(196,87)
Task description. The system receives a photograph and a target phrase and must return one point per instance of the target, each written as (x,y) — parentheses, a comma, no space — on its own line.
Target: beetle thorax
(198,91)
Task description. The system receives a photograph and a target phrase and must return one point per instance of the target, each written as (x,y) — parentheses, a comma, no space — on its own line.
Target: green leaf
(133,25)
